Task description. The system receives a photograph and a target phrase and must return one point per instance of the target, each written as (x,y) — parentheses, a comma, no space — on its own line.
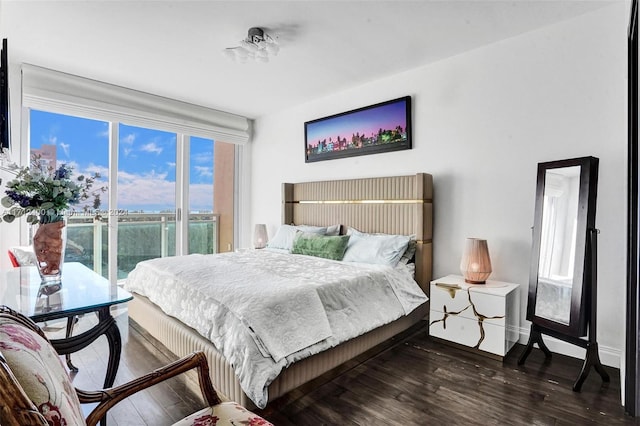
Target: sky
(146,160)
(365,122)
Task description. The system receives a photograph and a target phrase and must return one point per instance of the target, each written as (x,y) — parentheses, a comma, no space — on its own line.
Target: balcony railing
(141,236)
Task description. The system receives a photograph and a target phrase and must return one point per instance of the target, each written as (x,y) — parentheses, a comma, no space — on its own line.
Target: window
(148,193)
(84,144)
(157,120)
(202,219)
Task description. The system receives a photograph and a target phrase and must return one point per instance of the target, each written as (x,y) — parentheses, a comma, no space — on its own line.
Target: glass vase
(49,242)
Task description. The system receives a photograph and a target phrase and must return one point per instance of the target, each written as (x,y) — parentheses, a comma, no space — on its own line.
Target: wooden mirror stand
(562,299)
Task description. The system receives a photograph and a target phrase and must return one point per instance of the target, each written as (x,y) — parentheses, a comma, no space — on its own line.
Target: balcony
(141,236)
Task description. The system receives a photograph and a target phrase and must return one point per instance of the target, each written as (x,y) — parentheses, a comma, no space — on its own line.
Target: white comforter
(264,310)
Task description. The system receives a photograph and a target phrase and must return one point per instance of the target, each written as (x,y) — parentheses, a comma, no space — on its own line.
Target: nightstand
(484,317)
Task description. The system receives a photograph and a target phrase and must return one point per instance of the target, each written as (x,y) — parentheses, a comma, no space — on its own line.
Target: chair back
(12,259)
(35,388)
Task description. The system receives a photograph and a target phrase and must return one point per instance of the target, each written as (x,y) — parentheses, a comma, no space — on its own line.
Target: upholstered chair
(35,388)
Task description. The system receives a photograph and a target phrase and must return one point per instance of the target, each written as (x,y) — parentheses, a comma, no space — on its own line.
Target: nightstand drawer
(487,315)
(456,300)
(467,332)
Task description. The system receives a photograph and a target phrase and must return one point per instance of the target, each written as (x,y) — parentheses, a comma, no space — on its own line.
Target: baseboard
(608,356)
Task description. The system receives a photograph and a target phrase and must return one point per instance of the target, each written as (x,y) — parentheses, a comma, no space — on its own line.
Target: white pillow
(333,230)
(381,249)
(24,255)
(321,230)
(283,239)
(328,230)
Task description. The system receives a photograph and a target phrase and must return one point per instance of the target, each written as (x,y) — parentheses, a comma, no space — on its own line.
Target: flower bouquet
(45,195)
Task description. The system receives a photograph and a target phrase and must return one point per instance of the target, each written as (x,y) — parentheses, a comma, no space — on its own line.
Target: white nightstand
(479,316)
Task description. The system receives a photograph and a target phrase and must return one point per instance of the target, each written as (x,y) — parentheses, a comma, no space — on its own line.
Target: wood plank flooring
(411,381)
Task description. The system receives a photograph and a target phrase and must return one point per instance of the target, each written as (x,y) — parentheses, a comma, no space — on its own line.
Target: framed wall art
(382,127)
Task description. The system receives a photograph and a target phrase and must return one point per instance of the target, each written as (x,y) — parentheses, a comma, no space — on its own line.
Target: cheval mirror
(563,272)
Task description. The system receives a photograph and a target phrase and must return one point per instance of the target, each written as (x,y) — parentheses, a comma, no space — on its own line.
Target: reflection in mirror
(558,243)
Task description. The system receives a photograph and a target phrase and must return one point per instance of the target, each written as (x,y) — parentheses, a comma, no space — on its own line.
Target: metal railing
(141,236)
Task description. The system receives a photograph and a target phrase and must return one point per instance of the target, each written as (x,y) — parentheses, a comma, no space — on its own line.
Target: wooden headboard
(391,205)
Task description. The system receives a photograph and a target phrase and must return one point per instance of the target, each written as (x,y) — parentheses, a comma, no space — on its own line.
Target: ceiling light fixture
(258,46)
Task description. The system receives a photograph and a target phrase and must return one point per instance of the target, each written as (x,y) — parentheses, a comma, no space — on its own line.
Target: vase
(49,242)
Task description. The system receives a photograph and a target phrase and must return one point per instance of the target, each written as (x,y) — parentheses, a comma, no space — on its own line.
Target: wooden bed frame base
(182,340)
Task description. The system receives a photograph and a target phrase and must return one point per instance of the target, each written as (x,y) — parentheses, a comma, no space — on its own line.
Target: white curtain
(55,91)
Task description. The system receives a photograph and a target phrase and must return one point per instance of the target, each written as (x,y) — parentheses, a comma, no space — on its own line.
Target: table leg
(106,326)
(112,334)
(71,322)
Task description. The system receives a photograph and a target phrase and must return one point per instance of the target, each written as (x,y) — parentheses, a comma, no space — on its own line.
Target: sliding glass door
(84,145)
(170,193)
(146,194)
(201,217)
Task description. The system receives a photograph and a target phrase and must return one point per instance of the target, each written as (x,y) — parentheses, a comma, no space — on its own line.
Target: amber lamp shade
(475,264)
(260,236)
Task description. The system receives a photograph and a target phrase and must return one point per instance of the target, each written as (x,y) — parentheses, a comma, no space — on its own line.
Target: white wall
(481,123)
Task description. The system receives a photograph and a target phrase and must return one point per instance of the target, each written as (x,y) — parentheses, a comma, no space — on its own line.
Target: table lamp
(476,264)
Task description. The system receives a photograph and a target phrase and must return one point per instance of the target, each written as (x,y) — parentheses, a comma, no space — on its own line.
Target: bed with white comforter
(265,310)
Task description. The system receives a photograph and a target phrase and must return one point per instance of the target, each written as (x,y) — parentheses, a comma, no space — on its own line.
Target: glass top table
(82,291)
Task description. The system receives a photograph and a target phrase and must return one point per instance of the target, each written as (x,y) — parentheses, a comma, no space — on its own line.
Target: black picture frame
(374,129)
(5,122)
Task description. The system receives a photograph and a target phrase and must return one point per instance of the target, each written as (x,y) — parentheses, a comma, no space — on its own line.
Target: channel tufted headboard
(391,205)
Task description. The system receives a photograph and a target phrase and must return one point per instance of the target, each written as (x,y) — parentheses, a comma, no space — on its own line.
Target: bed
(400,205)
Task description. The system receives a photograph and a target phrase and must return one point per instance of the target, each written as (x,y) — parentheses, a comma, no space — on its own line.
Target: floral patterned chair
(35,388)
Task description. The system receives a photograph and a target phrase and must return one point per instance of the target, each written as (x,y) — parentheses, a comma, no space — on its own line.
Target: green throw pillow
(329,247)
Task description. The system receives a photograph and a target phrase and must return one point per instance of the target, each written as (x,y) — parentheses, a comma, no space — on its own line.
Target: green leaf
(7,202)
(8,218)
(46,205)
(32,218)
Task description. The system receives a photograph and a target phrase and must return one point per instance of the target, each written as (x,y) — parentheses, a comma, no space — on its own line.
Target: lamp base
(473,282)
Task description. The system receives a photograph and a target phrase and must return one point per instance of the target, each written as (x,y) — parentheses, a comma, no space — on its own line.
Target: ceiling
(174,48)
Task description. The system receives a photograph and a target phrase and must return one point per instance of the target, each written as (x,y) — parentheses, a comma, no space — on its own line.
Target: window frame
(57,92)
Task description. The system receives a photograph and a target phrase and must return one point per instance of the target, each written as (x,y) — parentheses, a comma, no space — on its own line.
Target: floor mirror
(563,272)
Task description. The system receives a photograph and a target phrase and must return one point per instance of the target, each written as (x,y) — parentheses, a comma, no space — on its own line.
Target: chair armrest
(107,398)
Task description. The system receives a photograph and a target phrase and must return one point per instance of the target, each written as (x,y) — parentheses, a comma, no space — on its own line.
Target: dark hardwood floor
(413,380)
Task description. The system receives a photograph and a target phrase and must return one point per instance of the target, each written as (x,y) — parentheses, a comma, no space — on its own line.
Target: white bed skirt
(182,340)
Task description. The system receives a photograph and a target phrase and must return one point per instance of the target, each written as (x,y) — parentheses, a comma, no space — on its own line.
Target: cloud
(152,192)
(204,171)
(203,157)
(171,163)
(128,139)
(65,148)
(126,151)
(200,197)
(90,170)
(149,191)
(151,147)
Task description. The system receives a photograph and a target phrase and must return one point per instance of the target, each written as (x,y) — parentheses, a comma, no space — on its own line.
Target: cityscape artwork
(373,129)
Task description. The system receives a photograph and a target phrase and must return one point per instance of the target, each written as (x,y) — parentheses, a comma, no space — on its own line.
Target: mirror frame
(583,282)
